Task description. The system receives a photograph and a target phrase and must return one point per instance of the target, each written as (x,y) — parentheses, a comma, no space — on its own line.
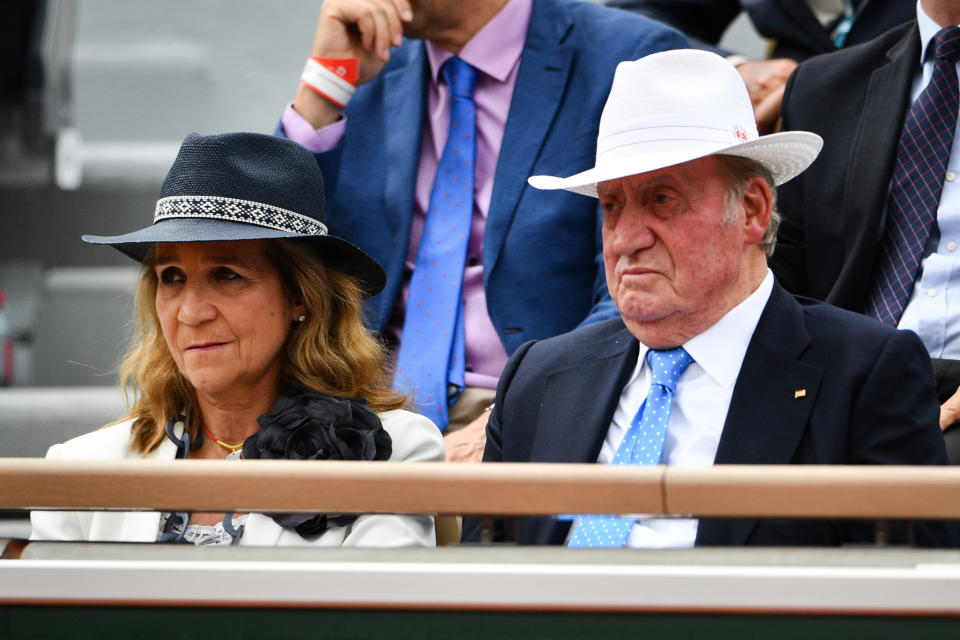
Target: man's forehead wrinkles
(636,182)
(642,181)
(641,185)
(610,187)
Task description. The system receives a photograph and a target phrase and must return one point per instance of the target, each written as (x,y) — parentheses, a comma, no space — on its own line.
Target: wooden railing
(497,489)
(162,584)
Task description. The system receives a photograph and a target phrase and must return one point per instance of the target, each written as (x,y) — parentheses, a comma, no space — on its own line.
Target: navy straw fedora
(245,186)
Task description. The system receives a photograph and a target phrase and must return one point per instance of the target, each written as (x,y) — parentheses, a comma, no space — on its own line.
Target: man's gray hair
(739,171)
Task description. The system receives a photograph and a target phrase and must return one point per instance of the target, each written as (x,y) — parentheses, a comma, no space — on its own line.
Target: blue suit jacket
(869,400)
(543,272)
(790,24)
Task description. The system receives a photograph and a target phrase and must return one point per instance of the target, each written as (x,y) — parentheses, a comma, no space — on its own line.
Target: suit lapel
(541,79)
(576,407)
(771,404)
(404,98)
(143,526)
(261,531)
(874,151)
(575,416)
(139,526)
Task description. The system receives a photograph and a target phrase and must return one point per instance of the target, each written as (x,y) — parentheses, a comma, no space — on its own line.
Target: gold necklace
(233,448)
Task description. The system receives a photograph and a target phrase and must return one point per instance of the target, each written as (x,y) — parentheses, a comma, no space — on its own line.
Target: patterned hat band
(246,211)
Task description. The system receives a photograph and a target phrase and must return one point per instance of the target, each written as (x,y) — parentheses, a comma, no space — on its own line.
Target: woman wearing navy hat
(250,343)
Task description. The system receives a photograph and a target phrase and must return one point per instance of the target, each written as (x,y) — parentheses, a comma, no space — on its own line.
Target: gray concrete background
(155,71)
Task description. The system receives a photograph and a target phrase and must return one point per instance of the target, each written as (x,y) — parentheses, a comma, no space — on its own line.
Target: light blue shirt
(933,311)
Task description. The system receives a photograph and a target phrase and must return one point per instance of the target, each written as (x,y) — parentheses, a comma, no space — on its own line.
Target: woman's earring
(301,317)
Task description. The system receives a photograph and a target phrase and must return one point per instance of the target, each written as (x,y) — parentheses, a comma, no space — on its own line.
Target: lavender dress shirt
(495,52)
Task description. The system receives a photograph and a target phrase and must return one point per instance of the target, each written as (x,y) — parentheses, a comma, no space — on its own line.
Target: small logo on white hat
(740,133)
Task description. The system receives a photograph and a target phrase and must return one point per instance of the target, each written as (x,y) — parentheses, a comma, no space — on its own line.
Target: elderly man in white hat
(711,362)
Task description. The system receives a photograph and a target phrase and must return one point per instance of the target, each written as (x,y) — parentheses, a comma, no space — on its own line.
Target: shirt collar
(720,349)
(495,49)
(928,29)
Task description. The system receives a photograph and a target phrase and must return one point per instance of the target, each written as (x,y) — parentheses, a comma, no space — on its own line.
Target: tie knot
(459,76)
(666,366)
(946,44)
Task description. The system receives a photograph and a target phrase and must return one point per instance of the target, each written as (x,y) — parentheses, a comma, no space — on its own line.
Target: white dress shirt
(827,11)
(699,411)
(933,311)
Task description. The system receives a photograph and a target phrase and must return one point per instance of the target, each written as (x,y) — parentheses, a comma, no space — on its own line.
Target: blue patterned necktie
(431,356)
(918,175)
(642,445)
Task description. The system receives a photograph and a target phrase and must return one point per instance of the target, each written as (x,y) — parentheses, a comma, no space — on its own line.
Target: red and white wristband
(333,78)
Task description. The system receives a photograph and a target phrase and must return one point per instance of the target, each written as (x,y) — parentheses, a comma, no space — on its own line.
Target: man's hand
(949,412)
(765,80)
(466,445)
(361,29)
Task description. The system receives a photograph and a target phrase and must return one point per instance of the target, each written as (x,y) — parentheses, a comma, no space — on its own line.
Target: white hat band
(246,211)
(676,106)
(665,136)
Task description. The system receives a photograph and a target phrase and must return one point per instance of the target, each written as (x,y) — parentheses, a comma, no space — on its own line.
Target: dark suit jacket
(869,400)
(543,272)
(795,31)
(834,212)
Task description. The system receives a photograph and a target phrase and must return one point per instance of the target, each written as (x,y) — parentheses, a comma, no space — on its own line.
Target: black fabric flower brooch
(315,426)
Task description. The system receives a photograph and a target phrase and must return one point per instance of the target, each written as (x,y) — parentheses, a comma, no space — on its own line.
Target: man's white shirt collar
(928,29)
(720,350)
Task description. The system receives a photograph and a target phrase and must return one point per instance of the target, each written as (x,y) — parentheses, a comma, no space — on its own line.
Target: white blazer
(415,439)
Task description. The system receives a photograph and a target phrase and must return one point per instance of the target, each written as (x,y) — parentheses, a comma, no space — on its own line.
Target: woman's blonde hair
(331,351)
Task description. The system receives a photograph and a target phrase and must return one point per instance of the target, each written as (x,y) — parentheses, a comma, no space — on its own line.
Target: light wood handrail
(496,489)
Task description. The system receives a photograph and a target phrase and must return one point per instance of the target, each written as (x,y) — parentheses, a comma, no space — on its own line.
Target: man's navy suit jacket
(543,272)
(791,26)
(869,400)
(834,213)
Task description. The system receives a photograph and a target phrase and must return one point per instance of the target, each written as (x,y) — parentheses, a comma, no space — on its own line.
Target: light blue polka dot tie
(431,356)
(642,444)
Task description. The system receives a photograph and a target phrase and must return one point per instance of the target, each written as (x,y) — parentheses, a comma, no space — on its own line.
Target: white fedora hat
(676,106)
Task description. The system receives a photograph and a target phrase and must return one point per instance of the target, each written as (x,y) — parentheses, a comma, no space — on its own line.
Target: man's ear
(757,205)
